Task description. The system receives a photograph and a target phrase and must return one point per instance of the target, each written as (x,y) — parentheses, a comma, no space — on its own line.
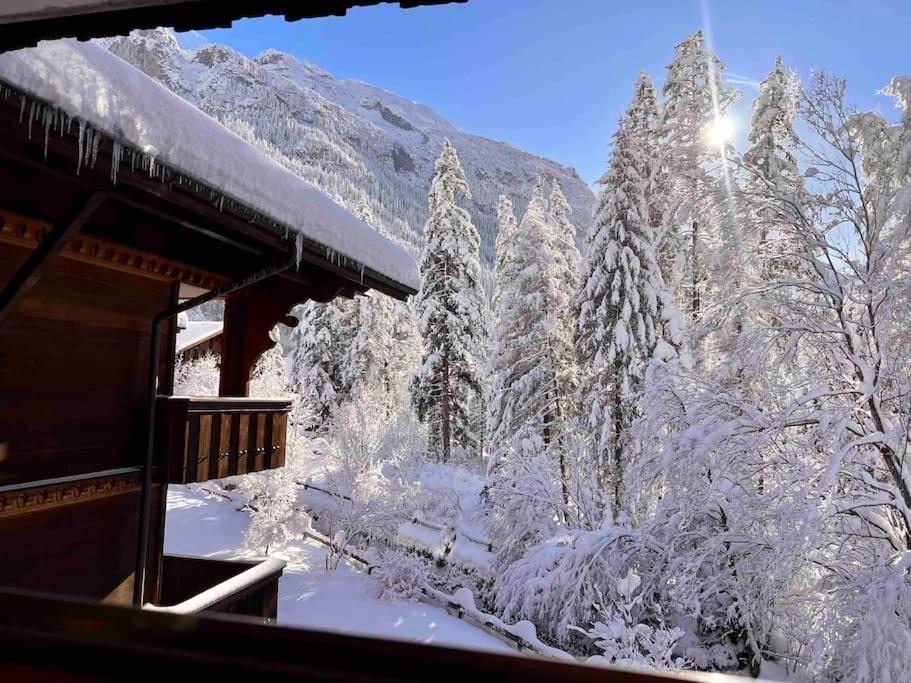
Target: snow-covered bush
(400,576)
(364,446)
(556,583)
(197,377)
(525,500)
(269,378)
(626,641)
(274,518)
(864,630)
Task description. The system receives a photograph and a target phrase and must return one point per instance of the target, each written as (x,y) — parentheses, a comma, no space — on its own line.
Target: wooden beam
(28,232)
(38,261)
(37,496)
(250,315)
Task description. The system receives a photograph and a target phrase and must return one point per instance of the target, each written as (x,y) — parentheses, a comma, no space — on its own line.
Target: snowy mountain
(369,149)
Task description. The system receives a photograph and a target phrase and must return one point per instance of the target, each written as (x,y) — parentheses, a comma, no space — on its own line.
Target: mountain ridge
(368,148)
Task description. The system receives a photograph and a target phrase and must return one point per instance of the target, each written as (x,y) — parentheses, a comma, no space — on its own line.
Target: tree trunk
(446,411)
(695,301)
(617,455)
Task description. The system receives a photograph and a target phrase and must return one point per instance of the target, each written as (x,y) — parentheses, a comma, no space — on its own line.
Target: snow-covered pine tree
(533,364)
(695,97)
(450,313)
(565,238)
(316,357)
(643,124)
(368,323)
(774,188)
(506,267)
(627,315)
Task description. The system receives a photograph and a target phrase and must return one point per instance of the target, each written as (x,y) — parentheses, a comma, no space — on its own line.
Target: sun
(720,131)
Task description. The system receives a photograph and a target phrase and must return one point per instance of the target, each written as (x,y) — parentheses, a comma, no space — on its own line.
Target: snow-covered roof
(86,82)
(196,332)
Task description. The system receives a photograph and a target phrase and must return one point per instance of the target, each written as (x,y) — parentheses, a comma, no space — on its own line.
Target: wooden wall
(73,366)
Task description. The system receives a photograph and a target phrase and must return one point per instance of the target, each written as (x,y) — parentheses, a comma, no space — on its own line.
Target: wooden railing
(200,584)
(58,639)
(209,438)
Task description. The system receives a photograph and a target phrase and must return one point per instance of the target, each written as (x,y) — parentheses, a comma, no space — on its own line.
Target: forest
(686,427)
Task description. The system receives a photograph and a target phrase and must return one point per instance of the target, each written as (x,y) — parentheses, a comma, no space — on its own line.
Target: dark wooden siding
(73,366)
(73,363)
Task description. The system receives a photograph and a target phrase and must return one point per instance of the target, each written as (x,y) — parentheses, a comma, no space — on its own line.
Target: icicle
(362,273)
(21,108)
(299,249)
(116,155)
(96,143)
(221,203)
(81,145)
(31,117)
(49,116)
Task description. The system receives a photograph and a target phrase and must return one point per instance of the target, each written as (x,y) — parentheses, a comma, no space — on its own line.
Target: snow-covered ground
(309,596)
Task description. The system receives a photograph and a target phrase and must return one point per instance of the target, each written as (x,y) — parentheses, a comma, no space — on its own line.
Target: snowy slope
(358,143)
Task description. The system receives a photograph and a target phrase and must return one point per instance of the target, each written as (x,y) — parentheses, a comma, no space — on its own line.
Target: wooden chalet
(118,200)
(197,338)
(121,206)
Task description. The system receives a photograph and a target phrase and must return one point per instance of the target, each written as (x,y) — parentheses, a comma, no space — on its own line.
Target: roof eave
(96,20)
(309,250)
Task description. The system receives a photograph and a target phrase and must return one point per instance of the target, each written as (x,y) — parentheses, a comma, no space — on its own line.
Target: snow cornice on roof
(62,85)
(23,23)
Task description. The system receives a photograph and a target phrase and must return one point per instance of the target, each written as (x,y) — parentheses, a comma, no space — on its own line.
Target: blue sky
(553,76)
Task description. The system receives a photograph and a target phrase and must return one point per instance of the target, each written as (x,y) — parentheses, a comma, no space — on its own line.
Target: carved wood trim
(43,496)
(26,232)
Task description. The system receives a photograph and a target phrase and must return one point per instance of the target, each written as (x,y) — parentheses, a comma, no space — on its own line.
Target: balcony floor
(341,601)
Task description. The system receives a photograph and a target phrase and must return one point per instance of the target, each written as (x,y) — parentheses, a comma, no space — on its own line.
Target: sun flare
(720,131)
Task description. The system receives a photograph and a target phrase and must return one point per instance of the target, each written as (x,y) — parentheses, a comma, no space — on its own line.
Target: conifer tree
(533,362)
(565,239)
(506,267)
(643,123)
(695,97)
(627,316)
(774,188)
(450,313)
(316,367)
(370,356)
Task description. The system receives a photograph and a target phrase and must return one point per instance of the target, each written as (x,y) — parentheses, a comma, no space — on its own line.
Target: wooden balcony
(192,585)
(210,438)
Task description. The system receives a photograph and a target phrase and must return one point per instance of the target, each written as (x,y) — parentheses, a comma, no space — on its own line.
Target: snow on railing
(522,635)
(224,590)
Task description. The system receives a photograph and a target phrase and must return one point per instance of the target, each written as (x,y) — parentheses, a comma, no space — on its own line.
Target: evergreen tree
(565,239)
(506,267)
(450,313)
(643,123)
(533,364)
(369,323)
(627,316)
(695,98)
(317,357)
(774,188)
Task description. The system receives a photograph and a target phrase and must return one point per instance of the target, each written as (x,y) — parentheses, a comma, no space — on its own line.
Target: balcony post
(145,505)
